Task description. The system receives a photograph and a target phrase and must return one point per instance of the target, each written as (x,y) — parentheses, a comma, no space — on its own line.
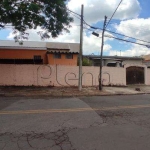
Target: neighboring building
(146,60)
(115,61)
(146,57)
(62,53)
(32,52)
(135,70)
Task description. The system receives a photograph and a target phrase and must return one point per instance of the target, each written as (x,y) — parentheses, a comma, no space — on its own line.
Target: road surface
(87,123)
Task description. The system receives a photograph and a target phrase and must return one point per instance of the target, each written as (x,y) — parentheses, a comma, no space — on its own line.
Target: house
(146,60)
(115,61)
(62,53)
(33,52)
(134,68)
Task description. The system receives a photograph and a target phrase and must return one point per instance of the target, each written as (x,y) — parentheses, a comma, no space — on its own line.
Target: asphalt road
(87,123)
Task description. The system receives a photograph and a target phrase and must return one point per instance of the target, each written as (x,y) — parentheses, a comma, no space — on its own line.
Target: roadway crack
(114,117)
(58,140)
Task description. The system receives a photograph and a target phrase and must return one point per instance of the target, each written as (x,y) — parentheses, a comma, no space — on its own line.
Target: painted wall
(132,62)
(63,60)
(29,54)
(58,75)
(22,54)
(126,62)
(148,76)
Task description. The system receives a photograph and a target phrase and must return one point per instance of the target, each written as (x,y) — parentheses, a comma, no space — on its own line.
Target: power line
(127,36)
(72,12)
(126,40)
(111,31)
(115,33)
(114,13)
(67,9)
(75,15)
(121,39)
(88,29)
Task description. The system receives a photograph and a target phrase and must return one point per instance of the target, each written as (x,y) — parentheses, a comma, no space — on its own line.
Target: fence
(57,75)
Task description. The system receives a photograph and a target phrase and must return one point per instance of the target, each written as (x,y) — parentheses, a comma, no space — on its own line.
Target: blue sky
(132,18)
(145,4)
(119,46)
(124,47)
(4,34)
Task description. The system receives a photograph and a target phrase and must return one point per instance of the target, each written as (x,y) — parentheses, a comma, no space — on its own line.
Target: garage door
(135,75)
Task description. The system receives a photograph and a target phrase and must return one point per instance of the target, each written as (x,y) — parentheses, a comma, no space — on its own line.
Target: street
(77,123)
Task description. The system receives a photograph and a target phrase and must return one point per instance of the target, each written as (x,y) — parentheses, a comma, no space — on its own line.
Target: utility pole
(101,56)
(80,53)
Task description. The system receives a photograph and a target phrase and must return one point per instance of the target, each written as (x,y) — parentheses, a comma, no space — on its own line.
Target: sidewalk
(72,91)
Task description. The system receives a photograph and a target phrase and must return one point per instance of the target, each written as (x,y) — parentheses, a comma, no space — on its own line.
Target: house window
(69,56)
(7,61)
(112,64)
(21,61)
(37,57)
(57,56)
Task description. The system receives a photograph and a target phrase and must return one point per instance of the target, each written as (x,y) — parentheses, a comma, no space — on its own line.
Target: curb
(67,96)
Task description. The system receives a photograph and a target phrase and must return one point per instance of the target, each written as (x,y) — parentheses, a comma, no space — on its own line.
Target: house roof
(26,45)
(146,57)
(94,57)
(66,47)
(62,52)
(36,45)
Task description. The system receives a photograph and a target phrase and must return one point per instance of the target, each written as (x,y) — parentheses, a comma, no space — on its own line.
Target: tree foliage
(51,15)
(85,62)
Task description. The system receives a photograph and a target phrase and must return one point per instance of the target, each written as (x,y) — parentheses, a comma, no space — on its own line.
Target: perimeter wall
(58,75)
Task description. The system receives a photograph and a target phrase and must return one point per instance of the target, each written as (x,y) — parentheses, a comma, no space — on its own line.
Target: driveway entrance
(135,75)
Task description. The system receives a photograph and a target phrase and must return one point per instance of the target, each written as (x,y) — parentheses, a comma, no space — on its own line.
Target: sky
(132,19)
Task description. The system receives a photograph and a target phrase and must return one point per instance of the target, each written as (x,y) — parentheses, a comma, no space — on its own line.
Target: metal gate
(135,75)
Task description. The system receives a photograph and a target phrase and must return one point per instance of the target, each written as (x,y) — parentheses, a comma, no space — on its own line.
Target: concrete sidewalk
(72,91)
(131,89)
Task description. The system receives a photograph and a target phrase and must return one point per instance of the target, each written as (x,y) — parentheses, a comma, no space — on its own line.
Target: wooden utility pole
(80,53)
(101,56)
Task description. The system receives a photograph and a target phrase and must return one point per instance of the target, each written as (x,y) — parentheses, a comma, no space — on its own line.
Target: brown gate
(135,75)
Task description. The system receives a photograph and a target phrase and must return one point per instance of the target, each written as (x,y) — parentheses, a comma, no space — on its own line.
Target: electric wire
(120,39)
(112,31)
(126,40)
(88,29)
(127,36)
(113,13)
(115,33)
(75,15)
(72,12)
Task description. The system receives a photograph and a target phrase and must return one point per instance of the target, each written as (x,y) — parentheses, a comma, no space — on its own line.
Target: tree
(51,15)
(85,62)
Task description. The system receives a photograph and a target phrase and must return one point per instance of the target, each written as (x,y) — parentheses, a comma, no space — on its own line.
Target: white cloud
(134,51)
(138,28)
(33,36)
(91,43)
(100,8)
(94,11)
